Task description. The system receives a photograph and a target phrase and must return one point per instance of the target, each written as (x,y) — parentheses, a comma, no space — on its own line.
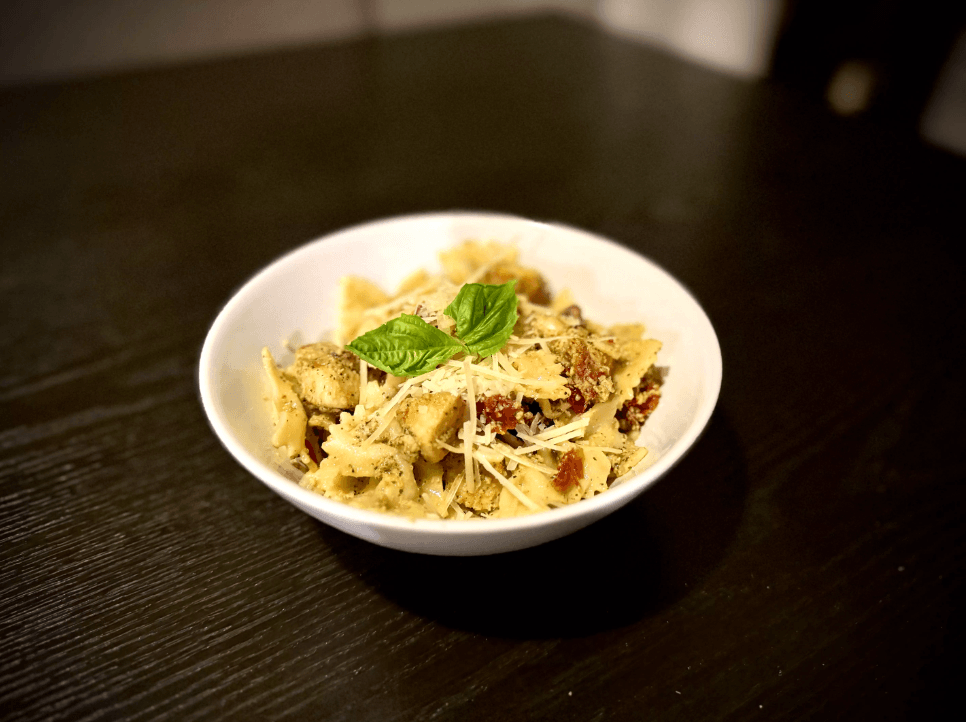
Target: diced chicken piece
(431,418)
(484,497)
(327,375)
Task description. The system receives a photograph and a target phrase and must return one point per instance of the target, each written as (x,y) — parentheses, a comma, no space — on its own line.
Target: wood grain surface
(805,561)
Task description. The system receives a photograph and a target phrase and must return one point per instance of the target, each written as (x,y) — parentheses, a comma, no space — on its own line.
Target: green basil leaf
(485,316)
(405,346)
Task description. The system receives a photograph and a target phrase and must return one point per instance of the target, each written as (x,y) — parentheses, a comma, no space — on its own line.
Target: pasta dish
(474,393)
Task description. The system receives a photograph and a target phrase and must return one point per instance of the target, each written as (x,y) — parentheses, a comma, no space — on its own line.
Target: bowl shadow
(628,566)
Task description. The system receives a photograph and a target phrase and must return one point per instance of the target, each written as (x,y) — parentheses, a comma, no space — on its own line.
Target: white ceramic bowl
(299,293)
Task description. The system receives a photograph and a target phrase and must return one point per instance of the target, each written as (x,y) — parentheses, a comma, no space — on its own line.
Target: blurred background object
(882,59)
(944,120)
(59,39)
(70,38)
(734,36)
(878,58)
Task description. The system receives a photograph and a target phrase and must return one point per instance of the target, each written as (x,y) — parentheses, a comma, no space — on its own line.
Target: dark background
(805,561)
(905,43)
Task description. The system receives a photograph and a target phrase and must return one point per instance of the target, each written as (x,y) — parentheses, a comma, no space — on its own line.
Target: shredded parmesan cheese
(555,431)
(451,494)
(553,445)
(469,429)
(381,429)
(518,379)
(508,485)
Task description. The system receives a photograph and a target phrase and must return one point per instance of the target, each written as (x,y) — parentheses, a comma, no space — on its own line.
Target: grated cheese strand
(523,460)
(404,390)
(469,429)
(483,371)
(388,410)
(468,455)
(555,431)
(380,430)
(448,501)
(553,445)
(508,485)
(506,365)
(449,447)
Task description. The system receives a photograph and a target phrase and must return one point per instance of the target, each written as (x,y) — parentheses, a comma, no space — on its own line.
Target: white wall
(736,36)
(42,39)
(53,39)
(944,119)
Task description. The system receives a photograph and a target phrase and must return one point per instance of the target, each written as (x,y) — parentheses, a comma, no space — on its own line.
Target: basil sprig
(405,346)
(408,346)
(485,316)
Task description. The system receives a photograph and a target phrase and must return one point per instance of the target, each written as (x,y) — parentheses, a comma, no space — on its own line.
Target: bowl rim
(595,507)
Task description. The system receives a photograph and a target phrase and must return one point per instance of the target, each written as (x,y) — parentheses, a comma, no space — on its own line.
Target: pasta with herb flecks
(475,393)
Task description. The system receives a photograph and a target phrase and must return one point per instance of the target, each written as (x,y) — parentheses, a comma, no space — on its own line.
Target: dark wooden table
(806,561)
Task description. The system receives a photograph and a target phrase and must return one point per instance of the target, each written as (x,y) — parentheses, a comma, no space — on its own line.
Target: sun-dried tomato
(586,367)
(578,404)
(569,471)
(585,371)
(635,411)
(501,411)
